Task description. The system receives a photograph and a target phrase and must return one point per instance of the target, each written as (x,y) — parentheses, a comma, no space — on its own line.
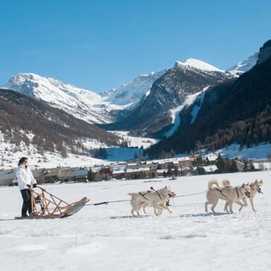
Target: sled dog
(227,193)
(157,199)
(255,187)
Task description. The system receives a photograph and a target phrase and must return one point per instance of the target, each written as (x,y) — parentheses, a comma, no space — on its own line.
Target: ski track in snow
(184,240)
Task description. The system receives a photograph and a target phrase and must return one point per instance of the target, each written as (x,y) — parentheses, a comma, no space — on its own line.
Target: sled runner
(46,205)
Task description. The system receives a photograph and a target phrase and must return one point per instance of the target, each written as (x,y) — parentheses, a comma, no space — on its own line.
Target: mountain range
(32,121)
(244,66)
(132,92)
(153,113)
(80,103)
(236,111)
(186,107)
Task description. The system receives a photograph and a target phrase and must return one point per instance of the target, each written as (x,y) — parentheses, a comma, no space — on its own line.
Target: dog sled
(47,206)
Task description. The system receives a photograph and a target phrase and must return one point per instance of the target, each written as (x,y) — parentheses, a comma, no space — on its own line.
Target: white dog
(255,188)
(157,199)
(227,193)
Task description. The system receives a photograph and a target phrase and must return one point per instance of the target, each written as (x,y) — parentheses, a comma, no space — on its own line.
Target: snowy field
(135,141)
(93,240)
(10,153)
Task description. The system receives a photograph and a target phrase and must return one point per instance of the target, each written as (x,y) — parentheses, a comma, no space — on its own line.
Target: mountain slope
(236,111)
(131,92)
(24,119)
(81,103)
(244,66)
(169,91)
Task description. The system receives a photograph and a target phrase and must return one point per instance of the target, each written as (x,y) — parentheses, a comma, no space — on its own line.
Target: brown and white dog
(157,199)
(255,188)
(227,193)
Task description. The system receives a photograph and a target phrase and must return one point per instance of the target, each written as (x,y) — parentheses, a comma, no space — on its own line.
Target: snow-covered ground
(133,151)
(135,141)
(10,153)
(9,159)
(184,240)
(261,151)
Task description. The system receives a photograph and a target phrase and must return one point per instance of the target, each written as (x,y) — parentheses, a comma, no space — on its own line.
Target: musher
(25,181)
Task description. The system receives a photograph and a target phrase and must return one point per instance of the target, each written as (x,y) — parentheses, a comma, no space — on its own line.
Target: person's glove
(34,185)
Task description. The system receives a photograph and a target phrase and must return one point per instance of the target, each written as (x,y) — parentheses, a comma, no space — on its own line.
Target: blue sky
(101,44)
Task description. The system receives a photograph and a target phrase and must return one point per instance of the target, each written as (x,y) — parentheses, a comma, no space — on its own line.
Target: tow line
(126,200)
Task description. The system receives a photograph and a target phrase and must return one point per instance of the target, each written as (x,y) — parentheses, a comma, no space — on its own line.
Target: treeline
(246,133)
(224,165)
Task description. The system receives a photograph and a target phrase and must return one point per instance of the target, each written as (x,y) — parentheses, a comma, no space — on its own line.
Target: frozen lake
(184,240)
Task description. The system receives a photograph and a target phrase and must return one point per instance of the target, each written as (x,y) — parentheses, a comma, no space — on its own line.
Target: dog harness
(237,192)
(219,190)
(143,194)
(156,192)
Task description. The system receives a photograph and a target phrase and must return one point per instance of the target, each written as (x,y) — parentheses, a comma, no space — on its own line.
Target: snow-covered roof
(210,168)
(118,170)
(130,170)
(211,156)
(266,165)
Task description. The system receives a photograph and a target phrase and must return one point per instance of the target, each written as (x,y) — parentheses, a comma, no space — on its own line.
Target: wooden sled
(47,206)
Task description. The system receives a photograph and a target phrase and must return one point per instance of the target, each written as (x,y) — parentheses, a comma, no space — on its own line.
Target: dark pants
(27,206)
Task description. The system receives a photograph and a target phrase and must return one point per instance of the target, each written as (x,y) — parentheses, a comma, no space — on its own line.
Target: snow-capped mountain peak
(131,92)
(244,66)
(32,84)
(81,103)
(198,64)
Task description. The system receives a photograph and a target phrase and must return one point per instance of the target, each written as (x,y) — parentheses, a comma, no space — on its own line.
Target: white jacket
(24,177)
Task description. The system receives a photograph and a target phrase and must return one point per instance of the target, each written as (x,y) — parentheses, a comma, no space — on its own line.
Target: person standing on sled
(25,181)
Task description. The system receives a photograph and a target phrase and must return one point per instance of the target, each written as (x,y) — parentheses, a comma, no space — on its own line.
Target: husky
(227,184)
(157,199)
(227,193)
(255,187)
